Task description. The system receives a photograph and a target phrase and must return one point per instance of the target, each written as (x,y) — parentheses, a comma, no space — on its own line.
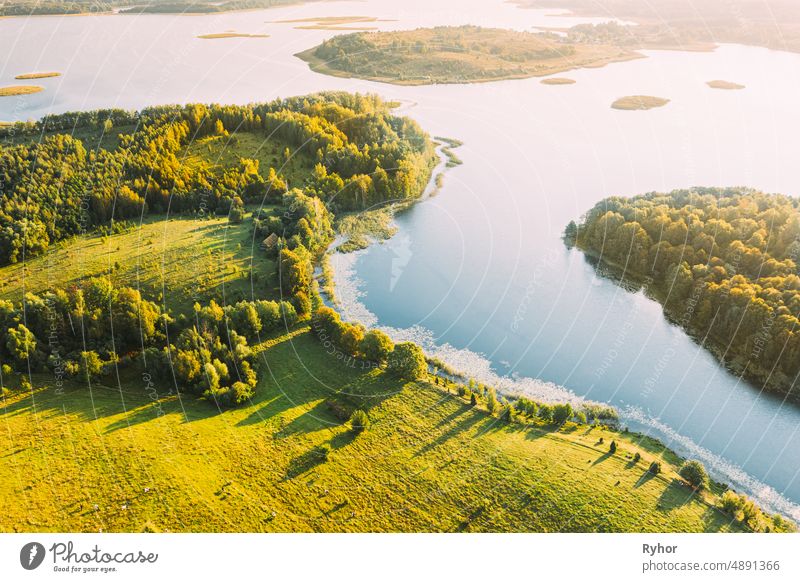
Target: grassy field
(178,260)
(112,459)
(220,152)
(455,55)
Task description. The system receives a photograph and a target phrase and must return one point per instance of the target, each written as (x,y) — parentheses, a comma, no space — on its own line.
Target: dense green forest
(724,262)
(53,188)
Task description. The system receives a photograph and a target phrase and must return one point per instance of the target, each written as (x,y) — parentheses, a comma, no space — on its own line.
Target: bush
(473,399)
(359,421)
(613,447)
(655,468)
(731,503)
(637,457)
(695,474)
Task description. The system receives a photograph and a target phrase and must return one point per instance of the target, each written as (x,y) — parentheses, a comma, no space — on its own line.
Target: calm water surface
(478,273)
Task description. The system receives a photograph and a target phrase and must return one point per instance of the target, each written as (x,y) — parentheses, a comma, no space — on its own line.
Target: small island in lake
(333,23)
(558,81)
(638,103)
(231,34)
(462,54)
(727,85)
(12,90)
(28,76)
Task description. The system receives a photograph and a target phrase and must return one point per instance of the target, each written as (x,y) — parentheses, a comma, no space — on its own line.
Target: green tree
(21,343)
(359,421)
(408,361)
(562,413)
(377,346)
(695,474)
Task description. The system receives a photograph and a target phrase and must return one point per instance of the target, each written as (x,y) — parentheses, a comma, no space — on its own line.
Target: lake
(478,274)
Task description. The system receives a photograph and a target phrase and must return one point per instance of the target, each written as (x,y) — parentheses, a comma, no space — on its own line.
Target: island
(722,262)
(726,85)
(333,23)
(28,76)
(13,90)
(558,81)
(462,54)
(638,103)
(231,34)
(170,305)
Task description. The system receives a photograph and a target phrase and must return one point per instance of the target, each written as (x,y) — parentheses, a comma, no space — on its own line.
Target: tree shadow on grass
(602,458)
(317,418)
(343,439)
(646,477)
(304,463)
(675,496)
(458,428)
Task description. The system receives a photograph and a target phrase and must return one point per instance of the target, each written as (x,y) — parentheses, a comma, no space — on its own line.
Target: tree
(473,399)
(695,474)
(91,365)
(655,468)
(21,343)
(612,448)
(731,503)
(562,413)
(491,401)
(408,361)
(377,346)
(359,421)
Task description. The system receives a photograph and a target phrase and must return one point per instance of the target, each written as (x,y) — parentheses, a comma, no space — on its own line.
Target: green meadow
(111,458)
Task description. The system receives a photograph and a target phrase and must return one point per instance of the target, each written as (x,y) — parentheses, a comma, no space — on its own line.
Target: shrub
(731,503)
(473,399)
(655,468)
(359,421)
(612,447)
(695,474)
(637,457)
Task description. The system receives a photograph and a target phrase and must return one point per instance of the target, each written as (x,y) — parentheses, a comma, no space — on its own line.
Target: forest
(28,7)
(54,188)
(723,262)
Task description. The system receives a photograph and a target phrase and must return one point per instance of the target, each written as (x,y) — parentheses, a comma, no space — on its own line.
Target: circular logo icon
(31,555)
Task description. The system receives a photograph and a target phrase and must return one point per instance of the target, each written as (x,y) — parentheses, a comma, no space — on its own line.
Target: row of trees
(54,188)
(405,359)
(725,262)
